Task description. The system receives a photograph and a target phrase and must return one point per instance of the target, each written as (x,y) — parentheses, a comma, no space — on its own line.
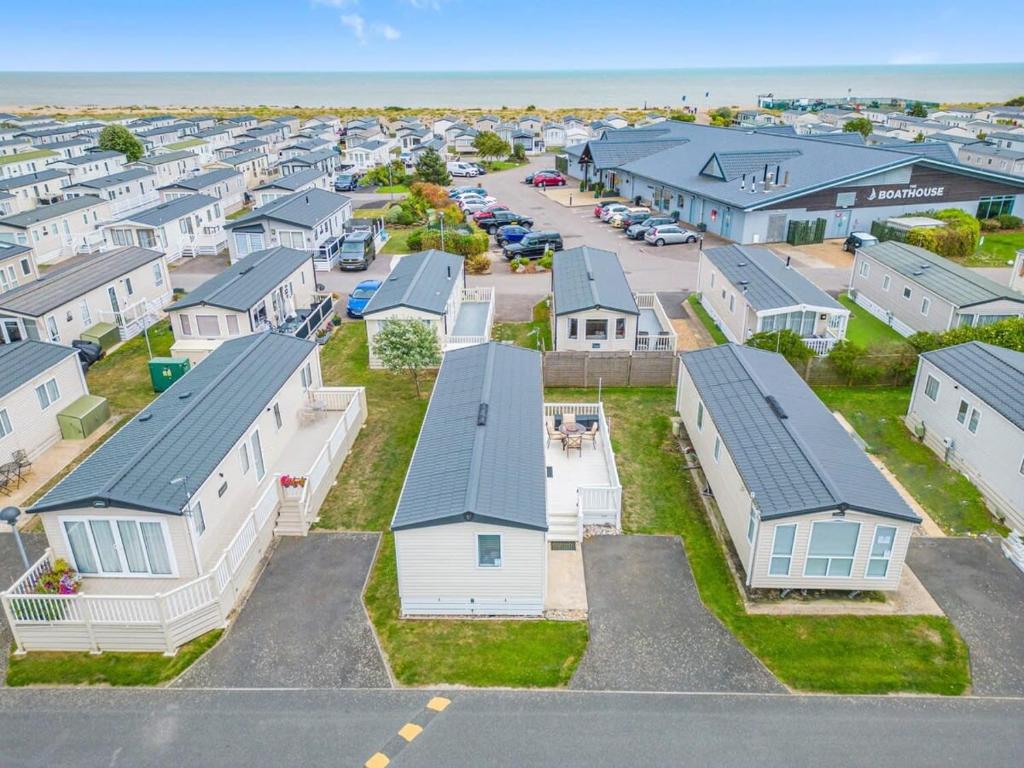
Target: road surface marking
(438,703)
(412,728)
(379,760)
(410,731)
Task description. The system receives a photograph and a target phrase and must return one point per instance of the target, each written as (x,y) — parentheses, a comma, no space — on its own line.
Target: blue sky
(403,35)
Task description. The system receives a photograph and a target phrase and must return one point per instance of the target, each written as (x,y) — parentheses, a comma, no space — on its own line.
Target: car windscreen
(344,178)
(353,246)
(363,293)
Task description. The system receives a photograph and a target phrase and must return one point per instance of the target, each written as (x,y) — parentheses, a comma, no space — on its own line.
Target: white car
(611,210)
(485,200)
(456,168)
(472,206)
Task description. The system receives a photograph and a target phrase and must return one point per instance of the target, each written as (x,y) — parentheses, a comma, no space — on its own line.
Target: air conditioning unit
(947,442)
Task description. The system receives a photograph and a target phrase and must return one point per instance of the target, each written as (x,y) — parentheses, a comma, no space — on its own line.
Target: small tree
(490,146)
(919,139)
(120,139)
(721,117)
(407,346)
(385,175)
(859,125)
(918,109)
(431,168)
(786,342)
(519,153)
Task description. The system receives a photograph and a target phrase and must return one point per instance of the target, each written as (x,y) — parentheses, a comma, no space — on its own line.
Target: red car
(547,179)
(488,212)
(599,208)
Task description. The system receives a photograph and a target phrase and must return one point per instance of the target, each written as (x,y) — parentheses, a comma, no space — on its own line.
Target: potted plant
(61,579)
(292,481)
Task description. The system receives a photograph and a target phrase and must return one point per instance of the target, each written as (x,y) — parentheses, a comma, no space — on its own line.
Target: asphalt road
(163,728)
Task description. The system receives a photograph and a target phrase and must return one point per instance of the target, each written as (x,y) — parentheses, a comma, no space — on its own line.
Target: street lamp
(10,516)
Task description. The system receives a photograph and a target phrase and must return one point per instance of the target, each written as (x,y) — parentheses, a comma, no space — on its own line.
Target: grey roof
(47,174)
(242,157)
(166,157)
(487,407)
(57,287)
(765,280)
(959,285)
(995,374)
(794,458)
(590,278)
(128,174)
(423,280)
(12,250)
(992,151)
(371,145)
(186,432)
(306,208)
(312,157)
(204,179)
(293,181)
(246,282)
(938,150)
(22,361)
(26,219)
(171,210)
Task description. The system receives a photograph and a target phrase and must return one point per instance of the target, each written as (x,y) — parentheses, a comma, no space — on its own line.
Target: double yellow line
(407,733)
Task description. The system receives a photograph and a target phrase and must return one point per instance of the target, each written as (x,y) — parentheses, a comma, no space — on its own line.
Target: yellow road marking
(379,760)
(410,731)
(438,703)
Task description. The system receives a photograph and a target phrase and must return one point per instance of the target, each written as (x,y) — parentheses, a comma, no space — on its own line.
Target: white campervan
(456,168)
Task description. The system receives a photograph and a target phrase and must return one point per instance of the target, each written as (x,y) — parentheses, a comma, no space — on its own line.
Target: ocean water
(552,89)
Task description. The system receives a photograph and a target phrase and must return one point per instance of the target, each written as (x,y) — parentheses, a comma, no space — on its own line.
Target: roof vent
(184,395)
(776,407)
(145,417)
(481,415)
(918,272)
(742,264)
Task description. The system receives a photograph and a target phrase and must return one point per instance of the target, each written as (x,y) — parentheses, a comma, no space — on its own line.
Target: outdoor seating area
(654,331)
(13,472)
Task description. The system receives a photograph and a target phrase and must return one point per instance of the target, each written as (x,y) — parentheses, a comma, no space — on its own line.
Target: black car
(346,182)
(533,246)
(500,218)
(88,351)
(858,240)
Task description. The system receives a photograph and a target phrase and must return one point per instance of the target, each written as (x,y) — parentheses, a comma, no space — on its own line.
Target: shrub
(1009,221)
(432,195)
(472,244)
(415,240)
(547,260)
(1007,333)
(518,262)
(478,264)
(850,361)
(990,225)
(399,215)
(786,342)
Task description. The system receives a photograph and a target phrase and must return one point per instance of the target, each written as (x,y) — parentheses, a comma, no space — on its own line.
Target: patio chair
(568,418)
(21,459)
(554,434)
(591,435)
(5,482)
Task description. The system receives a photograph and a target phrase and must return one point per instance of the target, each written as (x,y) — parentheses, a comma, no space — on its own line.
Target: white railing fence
(141,314)
(666,340)
(124,205)
(820,345)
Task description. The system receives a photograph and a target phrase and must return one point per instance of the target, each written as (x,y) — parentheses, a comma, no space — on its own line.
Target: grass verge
(828,654)
(706,321)
(948,497)
(866,330)
(392,189)
(123,376)
(398,242)
(535,334)
(996,250)
(110,668)
(239,213)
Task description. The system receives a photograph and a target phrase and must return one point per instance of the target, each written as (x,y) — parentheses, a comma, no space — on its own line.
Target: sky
(445,35)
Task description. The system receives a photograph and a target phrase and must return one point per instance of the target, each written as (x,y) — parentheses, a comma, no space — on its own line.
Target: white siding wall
(581,343)
(940,313)
(438,571)
(741,322)
(375,322)
(35,429)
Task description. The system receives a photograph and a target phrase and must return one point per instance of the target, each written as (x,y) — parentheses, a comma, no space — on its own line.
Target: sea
(516,89)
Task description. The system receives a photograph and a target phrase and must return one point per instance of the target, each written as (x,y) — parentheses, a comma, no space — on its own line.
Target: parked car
(510,233)
(357,252)
(611,210)
(459,168)
(532,246)
(360,297)
(670,233)
(549,179)
(637,231)
(456,192)
(88,352)
(599,208)
(531,176)
(346,182)
(473,205)
(858,240)
(480,170)
(623,219)
(502,218)
(488,212)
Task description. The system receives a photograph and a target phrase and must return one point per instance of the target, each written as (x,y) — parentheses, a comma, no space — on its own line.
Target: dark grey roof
(244,283)
(293,181)
(487,407)
(590,278)
(995,374)
(313,157)
(47,174)
(57,287)
(801,463)
(171,210)
(306,209)
(186,432)
(128,174)
(26,219)
(765,280)
(91,157)
(22,361)
(12,250)
(243,157)
(939,150)
(423,280)
(166,157)
(838,137)
(959,285)
(204,179)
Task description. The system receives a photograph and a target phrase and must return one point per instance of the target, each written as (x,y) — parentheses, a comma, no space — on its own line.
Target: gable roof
(423,281)
(293,181)
(26,219)
(128,174)
(793,455)
(242,157)
(765,280)
(306,208)
(186,432)
(47,174)
(590,278)
(205,179)
(22,361)
(487,405)
(244,283)
(959,285)
(12,250)
(57,287)
(166,157)
(995,374)
(158,215)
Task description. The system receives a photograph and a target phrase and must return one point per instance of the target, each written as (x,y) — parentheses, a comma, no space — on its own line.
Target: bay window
(831,549)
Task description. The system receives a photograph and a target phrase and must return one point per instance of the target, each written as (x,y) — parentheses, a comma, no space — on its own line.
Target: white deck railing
(820,345)
(137,316)
(124,205)
(479,294)
(667,340)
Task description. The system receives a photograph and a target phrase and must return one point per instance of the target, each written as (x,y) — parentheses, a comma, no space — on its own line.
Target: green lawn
(535,334)
(501,165)
(997,249)
(239,213)
(33,154)
(110,668)
(837,654)
(424,652)
(393,189)
(706,321)
(370,213)
(948,497)
(186,144)
(864,329)
(123,376)
(398,242)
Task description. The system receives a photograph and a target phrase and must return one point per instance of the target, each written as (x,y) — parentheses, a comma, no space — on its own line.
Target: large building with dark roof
(751,186)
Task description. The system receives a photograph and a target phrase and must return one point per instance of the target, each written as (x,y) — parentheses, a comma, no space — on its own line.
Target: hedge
(957,240)
(454,242)
(1007,333)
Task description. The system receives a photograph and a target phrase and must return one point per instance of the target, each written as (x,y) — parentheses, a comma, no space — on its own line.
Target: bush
(547,260)
(850,361)
(478,264)
(472,244)
(1009,221)
(1007,333)
(415,240)
(990,225)
(431,195)
(786,342)
(396,214)
(516,263)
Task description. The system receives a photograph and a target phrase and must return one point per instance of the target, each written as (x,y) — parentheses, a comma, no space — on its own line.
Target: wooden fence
(612,369)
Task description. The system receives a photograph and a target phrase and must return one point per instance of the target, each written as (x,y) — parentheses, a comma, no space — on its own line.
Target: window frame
(928,381)
(196,513)
(973,421)
(773,555)
(717,451)
(126,572)
(6,428)
(830,558)
(908,293)
(962,411)
(926,305)
(46,395)
(574,328)
(700,415)
(588,336)
(886,282)
(864,268)
(501,551)
(872,557)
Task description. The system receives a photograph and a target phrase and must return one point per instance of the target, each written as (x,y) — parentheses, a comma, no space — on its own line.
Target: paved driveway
(11,568)
(649,630)
(304,623)
(983,594)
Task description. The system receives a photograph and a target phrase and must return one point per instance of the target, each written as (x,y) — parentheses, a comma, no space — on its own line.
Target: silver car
(637,231)
(670,233)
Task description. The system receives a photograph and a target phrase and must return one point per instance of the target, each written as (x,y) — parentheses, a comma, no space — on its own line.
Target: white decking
(654,331)
(473,320)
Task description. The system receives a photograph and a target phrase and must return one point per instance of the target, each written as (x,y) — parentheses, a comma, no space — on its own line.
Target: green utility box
(104,334)
(164,371)
(83,417)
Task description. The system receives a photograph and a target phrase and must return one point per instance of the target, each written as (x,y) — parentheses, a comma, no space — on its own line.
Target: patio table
(573,432)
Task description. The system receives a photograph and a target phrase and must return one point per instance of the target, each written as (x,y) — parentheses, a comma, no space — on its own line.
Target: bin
(164,371)
(104,334)
(83,417)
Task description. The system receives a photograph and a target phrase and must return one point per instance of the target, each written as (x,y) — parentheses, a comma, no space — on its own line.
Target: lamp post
(10,516)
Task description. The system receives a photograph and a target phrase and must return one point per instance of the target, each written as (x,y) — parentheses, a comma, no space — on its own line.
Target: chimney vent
(787,261)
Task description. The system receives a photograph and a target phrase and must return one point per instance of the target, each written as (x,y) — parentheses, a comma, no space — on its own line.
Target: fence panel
(613,369)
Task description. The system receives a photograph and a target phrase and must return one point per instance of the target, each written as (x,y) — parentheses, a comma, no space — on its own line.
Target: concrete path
(304,624)
(649,630)
(983,595)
